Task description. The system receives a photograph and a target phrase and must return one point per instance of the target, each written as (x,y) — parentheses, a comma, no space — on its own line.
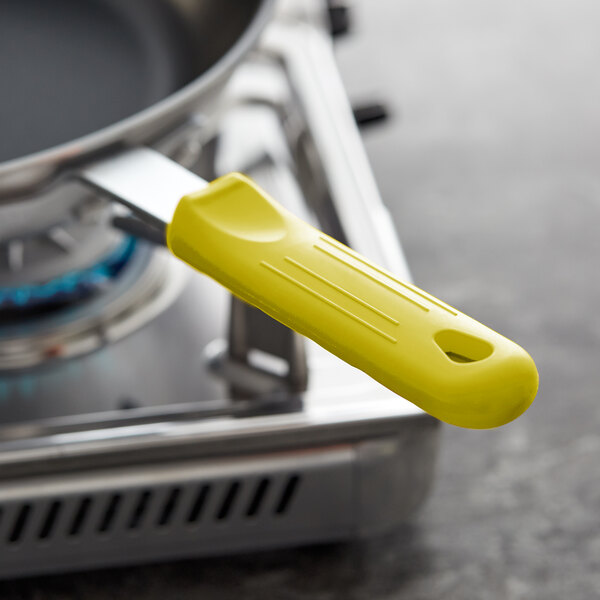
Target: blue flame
(66,286)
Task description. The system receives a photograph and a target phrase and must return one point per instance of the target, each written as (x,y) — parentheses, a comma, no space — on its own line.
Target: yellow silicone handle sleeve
(448,364)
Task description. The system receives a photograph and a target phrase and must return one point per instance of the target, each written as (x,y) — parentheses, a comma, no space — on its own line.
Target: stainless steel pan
(82,77)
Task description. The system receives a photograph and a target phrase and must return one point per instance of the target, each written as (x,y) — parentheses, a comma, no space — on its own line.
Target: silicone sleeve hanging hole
(460,347)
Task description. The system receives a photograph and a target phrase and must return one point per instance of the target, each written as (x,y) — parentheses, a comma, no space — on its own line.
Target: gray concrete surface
(492,171)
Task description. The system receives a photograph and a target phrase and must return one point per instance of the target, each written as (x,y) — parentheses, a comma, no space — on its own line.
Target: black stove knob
(369,113)
(339,18)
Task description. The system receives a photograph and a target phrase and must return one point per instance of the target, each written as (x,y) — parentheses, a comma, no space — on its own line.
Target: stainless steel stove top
(160,418)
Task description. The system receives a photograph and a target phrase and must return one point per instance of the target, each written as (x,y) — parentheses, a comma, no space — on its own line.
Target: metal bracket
(264,356)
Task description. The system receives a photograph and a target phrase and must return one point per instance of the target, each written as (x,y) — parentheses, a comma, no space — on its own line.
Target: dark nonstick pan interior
(72,67)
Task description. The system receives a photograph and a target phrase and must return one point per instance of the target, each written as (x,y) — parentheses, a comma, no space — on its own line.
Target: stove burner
(70,287)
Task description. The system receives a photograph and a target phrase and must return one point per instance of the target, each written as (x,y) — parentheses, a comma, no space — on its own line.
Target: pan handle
(448,364)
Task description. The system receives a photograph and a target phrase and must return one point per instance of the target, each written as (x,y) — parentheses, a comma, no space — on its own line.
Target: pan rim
(22,175)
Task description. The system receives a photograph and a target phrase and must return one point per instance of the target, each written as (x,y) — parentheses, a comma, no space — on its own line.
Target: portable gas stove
(144,414)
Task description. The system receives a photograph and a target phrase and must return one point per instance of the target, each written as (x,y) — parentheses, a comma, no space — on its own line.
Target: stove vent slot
(52,514)
(228,501)
(198,504)
(169,507)
(256,502)
(110,513)
(188,506)
(289,491)
(19,525)
(140,509)
(80,516)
